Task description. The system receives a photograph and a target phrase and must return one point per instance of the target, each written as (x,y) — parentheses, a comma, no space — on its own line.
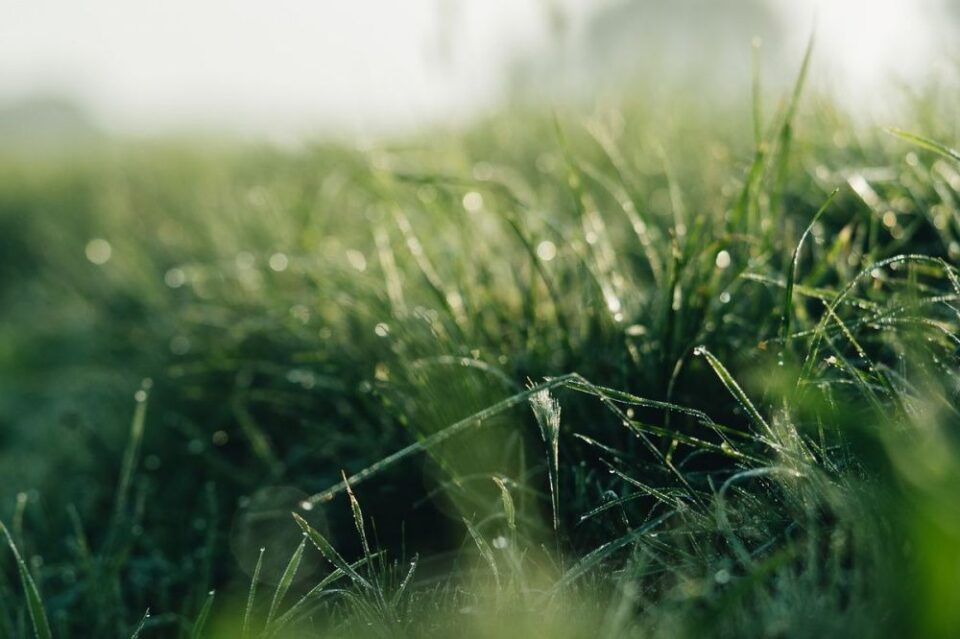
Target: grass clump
(750,330)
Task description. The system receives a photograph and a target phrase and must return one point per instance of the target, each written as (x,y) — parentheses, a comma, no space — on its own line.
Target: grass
(632,373)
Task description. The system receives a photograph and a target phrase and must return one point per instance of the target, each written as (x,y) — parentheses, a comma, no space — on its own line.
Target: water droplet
(279,262)
(357,260)
(722,576)
(381,329)
(306,505)
(175,278)
(723,259)
(472,201)
(546,250)
(140,396)
(98,251)
(500,542)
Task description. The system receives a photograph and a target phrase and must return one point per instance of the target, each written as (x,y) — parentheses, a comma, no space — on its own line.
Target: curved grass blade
(925,143)
(286,579)
(38,617)
(485,551)
(317,590)
(792,277)
(475,420)
(596,556)
(329,552)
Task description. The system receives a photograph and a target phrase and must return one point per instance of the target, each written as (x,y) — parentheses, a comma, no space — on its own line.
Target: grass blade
(329,552)
(735,389)
(141,625)
(925,143)
(508,508)
(251,596)
(485,551)
(201,621)
(289,573)
(792,277)
(38,616)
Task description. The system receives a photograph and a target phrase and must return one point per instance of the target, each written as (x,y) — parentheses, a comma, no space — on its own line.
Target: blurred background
(367,67)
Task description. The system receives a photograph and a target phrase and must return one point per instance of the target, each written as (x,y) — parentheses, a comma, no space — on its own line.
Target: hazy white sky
(293,65)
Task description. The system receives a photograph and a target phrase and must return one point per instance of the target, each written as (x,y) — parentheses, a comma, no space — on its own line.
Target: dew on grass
(175,278)
(472,201)
(279,262)
(381,329)
(546,250)
(357,260)
(98,251)
(723,260)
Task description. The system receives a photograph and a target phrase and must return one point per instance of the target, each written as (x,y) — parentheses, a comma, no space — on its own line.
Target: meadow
(636,370)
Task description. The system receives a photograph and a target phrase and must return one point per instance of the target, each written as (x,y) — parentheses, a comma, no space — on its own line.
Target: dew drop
(98,251)
(279,262)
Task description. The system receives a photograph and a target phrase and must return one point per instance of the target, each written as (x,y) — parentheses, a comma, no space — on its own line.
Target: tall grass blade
(251,596)
(787,315)
(38,616)
(485,551)
(132,453)
(546,409)
(286,579)
(201,622)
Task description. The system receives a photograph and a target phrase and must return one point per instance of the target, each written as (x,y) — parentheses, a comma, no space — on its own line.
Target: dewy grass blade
(787,315)
(251,596)
(485,551)
(735,390)
(201,622)
(509,510)
(38,616)
(329,552)
(547,411)
(925,143)
(286,579)
(132,453)
(141,625)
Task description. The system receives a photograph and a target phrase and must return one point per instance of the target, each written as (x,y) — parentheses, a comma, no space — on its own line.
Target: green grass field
(636,372)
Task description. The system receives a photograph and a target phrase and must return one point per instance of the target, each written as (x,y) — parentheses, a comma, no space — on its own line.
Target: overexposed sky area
(361,66)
